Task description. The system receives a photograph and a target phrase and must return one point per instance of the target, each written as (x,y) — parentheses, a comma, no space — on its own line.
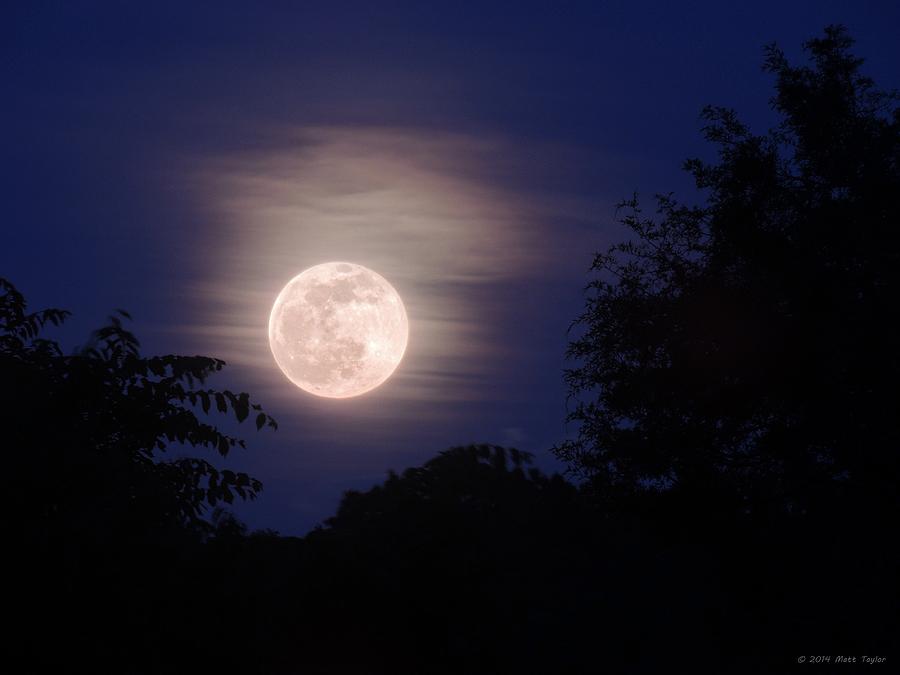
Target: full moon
(338,330)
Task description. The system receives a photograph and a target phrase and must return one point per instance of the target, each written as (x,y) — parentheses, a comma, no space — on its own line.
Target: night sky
(184,161)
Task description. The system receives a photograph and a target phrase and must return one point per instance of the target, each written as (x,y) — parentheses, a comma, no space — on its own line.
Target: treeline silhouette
(733,504)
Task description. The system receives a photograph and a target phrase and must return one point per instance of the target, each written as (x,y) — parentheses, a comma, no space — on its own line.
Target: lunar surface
(338,330)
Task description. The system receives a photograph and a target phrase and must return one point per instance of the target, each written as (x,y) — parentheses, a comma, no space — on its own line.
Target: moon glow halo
(338,330)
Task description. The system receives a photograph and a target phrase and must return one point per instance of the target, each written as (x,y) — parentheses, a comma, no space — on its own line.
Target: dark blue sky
(185,160)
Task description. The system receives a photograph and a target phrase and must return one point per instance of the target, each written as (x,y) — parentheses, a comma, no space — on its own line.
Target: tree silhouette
(113,411)
(740,349)
(99,513)
(450,567)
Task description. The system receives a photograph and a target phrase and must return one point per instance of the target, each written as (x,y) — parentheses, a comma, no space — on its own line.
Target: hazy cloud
(434,214)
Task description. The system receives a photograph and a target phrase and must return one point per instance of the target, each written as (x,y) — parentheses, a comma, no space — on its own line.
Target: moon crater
(338,330)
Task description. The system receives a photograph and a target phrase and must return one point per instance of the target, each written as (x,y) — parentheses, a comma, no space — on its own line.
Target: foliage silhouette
(734,377)
(96,506)
(114,411)
(448,557)
(739,349)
